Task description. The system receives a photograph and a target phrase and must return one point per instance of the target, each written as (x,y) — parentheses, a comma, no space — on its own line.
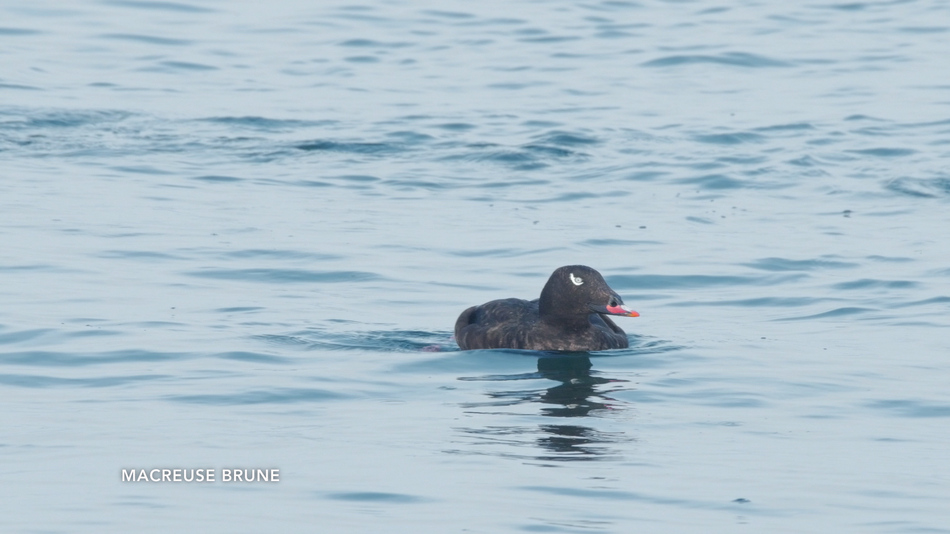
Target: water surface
(237,235)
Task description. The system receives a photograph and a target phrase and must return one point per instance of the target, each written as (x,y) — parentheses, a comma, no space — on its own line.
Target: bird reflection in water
(575,396)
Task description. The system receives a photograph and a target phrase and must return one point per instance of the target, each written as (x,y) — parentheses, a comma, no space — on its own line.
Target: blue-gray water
(238,234)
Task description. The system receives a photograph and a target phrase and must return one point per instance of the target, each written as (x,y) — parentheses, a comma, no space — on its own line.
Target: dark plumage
(571,315)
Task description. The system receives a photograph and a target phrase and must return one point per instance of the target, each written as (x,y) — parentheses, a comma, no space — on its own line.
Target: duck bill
(621,310)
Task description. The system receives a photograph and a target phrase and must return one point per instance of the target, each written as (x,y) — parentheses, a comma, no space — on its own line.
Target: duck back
(504,323)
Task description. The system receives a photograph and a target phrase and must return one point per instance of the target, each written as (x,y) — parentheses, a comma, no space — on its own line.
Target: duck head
(578,290)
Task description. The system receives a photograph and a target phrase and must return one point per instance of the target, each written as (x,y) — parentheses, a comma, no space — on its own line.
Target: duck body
(571,315)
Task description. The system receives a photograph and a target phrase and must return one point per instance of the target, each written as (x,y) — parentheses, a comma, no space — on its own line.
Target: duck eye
(613,302)
(577,280)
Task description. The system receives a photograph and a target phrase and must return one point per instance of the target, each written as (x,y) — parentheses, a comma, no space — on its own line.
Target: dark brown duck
(571,315)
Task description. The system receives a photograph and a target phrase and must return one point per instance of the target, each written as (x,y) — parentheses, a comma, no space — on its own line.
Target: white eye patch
(577,280)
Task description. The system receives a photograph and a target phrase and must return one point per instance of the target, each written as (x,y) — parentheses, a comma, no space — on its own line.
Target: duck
(572,314)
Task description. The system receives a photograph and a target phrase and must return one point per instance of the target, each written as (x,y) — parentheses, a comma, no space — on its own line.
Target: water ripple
(37,381)
(784,264)
(866,283)
(374,340)
(350,147)
(921,187)
(148,39)
(732,59)
(601,494)
(659,281)
(771,302)
(376,497)
(268,124)
(287,276)
(835,313)
(72,359)
(10,32)
(884,152)
(733,138)
(912,408)
(275,396)
(154,5)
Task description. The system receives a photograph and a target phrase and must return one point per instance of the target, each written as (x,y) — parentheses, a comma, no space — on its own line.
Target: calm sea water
(238,234)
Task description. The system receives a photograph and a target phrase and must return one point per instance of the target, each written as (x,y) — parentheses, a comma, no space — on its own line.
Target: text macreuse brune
(200,475)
